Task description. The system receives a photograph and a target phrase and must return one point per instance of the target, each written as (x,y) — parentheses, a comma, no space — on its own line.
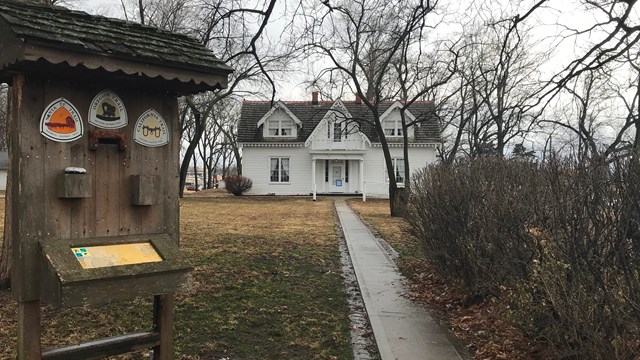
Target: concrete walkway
(402,330)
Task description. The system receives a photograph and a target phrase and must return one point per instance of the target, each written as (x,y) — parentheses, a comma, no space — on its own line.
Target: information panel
(91,257)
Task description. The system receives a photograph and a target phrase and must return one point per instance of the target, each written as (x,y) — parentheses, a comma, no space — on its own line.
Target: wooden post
(29,330)
(163,314)
(313,178)
(362,183)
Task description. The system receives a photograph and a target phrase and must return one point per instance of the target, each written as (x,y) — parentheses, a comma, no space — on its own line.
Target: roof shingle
(58,28)
(310,115)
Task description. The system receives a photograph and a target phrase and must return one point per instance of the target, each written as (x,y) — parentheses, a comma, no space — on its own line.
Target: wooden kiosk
(94,141)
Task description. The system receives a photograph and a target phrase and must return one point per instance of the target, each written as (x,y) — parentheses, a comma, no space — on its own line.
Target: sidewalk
(402,330)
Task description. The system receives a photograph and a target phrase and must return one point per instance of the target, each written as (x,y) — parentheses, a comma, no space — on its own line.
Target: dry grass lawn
(267,285)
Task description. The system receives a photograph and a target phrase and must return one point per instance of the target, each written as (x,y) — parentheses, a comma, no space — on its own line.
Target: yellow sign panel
(91,257)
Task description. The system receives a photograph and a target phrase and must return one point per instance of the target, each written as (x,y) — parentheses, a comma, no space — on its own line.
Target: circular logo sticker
(151,129)
(61,122)
(107,111)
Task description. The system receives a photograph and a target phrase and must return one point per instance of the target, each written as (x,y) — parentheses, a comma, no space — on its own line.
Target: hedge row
(558,241)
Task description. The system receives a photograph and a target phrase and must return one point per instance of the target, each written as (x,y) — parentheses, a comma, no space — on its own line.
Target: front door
(337,180)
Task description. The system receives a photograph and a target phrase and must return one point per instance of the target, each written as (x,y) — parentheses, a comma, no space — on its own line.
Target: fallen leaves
(479,323)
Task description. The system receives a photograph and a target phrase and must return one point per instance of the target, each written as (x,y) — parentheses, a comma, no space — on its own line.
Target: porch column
(313,178)
(364,196)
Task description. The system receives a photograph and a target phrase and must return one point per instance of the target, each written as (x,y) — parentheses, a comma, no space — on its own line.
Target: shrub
(558,241)
(237,185)
(471,217)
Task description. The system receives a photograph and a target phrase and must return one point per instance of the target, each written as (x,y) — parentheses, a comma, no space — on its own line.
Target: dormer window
(280,127)
(393,127)
(279,122)
(336,131)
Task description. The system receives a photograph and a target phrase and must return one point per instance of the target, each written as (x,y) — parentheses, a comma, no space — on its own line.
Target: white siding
(3,179)
(255,166)
(375,169)
(256,160)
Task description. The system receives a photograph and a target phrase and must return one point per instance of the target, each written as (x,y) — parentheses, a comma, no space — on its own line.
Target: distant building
(294,147)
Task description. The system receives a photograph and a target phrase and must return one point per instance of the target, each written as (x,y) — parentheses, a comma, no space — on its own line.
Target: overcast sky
(569,13)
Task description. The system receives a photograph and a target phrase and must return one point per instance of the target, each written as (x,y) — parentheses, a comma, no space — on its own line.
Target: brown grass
(266,285)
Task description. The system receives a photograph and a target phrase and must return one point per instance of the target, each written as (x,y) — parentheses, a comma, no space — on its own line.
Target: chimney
(358,100)
(314,98)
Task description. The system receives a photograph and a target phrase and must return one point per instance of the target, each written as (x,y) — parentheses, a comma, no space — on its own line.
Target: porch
(337,174)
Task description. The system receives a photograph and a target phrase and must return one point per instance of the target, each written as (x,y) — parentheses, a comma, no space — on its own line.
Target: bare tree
(360,40)
(3,116)
(236,33)
(420,74)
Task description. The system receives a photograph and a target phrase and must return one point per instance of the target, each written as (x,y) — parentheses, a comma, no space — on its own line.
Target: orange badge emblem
(61,122)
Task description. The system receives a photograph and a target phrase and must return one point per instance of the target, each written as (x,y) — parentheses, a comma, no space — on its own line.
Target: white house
(4,166)
(296,147)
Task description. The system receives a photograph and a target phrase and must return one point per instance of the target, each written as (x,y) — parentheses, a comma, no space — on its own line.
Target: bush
(237,185)
(558,241)
(471,218)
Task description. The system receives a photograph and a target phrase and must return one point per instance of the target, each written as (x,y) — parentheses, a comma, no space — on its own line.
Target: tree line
(492,67)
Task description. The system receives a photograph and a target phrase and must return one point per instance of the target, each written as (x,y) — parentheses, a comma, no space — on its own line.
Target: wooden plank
(107,175)
(171,164)
(163,314)
(27,192)
(82,211)
(56,155)
(102,348)
(29,330)
(151,163)
(130,222)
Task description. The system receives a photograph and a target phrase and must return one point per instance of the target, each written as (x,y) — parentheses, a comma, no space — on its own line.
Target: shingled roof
(31,33)
(310,115)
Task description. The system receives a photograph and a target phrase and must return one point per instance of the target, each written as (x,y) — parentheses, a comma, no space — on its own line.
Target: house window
(326,171)
(398,165)
(393,127)
(281,127)
(337,132)
(398,168)
(346,171)
(279,170)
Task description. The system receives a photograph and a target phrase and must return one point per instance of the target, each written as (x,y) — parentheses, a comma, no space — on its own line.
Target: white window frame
(280,170)
(280,128)
(331,131)
(396,129)
(396,169)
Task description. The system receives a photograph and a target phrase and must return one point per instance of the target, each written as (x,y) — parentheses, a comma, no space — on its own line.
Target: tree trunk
(5,253)
(197,135)
(6,250)
(236,152)
(195,171)
(398,202)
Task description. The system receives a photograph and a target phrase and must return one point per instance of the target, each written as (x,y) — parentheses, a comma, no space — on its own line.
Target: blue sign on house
(338,182)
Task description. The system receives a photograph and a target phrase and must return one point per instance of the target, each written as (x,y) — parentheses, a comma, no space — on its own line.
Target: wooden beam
(101,348)
(163,313)
(29,330)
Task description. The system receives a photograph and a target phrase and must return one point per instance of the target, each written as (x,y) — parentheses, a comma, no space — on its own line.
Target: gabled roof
(397,105)
(340,113)
(37,33)
(310,115)
(279,105)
